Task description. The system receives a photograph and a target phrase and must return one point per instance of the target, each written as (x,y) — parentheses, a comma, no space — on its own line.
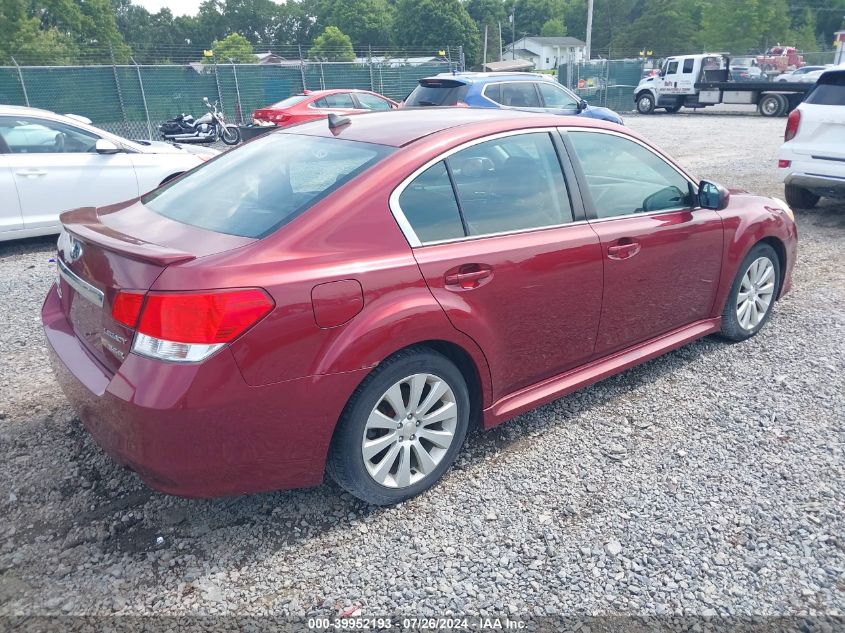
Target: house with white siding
(547,52)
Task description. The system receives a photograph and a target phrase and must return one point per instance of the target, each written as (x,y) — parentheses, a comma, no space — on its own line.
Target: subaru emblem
(75,251)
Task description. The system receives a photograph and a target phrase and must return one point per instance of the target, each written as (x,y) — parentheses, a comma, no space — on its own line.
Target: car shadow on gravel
(829,214)
(46,243)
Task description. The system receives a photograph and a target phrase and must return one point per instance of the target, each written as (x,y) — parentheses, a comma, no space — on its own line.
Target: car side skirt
(563,384)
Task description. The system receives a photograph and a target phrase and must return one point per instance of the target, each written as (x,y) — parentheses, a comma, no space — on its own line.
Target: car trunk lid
(120,249)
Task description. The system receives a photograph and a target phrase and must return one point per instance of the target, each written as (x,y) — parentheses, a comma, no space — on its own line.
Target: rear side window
(829,90)
(510,184)
(520,94)
(503,185)
(688,64)
(437,92)
(342,100)
(255,189)
(429,205)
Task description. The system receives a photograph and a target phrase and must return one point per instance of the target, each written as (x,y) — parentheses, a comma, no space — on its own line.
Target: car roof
(331,91)
(402,127)
(480,78)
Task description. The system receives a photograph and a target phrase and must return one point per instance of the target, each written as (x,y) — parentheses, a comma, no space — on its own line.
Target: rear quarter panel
(350,235)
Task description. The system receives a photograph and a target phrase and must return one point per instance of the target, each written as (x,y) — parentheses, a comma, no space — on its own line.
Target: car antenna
(336,121)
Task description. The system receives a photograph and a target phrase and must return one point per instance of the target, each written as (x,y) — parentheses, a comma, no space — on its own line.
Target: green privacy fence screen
(608,83)
(132,100)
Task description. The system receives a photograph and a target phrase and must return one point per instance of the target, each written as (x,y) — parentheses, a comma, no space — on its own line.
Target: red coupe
(316,104)
(385,282)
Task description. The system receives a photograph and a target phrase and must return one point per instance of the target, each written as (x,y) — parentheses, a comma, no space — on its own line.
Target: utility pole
(484,63)
(501,43)
(513,32)
(589,27)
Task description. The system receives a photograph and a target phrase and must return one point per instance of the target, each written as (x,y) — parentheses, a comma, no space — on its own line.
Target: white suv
(812,160)
(50,163)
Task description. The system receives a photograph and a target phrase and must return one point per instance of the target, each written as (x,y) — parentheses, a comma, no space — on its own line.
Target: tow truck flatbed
(755,86)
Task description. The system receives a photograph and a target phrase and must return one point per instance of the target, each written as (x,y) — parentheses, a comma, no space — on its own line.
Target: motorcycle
(183,128)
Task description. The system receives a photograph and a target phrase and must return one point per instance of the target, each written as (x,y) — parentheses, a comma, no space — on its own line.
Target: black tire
(673,109)
(731,327)
(800,198)
(230,134)
(645,103)
(345,463)
(772,105)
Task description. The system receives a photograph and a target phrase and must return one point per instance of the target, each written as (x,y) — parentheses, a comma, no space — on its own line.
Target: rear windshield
(829,90)
(437,93)
(286,103)
(255,189)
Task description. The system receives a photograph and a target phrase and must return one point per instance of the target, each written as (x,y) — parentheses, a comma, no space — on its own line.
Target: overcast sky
(177,7)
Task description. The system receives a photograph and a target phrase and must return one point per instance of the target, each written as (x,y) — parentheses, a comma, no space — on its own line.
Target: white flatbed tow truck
(697,81)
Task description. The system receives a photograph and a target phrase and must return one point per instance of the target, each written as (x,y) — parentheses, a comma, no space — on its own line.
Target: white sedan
(50,163)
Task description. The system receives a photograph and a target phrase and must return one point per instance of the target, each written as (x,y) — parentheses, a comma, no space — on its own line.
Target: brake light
(783,164)
(792,125)
(127,308)
(189,327)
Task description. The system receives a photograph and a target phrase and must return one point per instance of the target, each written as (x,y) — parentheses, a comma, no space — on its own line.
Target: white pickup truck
(697,81)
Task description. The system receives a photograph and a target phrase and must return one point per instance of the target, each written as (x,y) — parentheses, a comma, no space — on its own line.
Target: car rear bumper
(823,185)
(198,430)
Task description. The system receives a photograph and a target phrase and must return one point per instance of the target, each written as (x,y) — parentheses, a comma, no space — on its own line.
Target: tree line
(99,31)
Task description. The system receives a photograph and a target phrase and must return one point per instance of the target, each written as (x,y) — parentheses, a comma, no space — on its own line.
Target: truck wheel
(673,109)
(771,105)
(645,104)
(800,198)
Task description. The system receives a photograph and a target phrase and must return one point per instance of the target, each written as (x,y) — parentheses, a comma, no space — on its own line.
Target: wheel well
(641,93)
(170,177)
(780,251)
(463,361)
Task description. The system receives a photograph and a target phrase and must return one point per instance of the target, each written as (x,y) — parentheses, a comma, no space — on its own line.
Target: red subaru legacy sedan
(352,297)
(316,104)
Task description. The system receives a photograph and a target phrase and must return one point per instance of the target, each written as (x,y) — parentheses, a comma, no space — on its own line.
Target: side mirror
(104,146)
(712,196)
(582,105)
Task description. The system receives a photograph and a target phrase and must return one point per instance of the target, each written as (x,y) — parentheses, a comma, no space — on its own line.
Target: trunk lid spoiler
(85,223)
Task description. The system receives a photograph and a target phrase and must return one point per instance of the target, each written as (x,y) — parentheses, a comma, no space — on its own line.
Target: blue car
(524,91)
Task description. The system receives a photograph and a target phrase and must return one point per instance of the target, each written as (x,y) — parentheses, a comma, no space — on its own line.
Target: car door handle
(625,248)
(467,276)
(31,173)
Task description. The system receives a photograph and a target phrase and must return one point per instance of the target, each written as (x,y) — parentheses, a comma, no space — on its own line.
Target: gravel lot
(709,481)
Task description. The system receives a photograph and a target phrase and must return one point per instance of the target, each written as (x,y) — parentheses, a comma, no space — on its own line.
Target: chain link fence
(132,100)
(611,83)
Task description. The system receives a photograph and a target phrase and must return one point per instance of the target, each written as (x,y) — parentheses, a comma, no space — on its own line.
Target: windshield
(437,92)
(255,189)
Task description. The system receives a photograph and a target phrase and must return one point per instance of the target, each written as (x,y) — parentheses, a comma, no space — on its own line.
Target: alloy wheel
(756,292)
(410,430)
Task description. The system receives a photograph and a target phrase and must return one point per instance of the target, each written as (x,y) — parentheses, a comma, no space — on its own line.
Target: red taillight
(127,307)
(203,317)
(792,125)
(783,164)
